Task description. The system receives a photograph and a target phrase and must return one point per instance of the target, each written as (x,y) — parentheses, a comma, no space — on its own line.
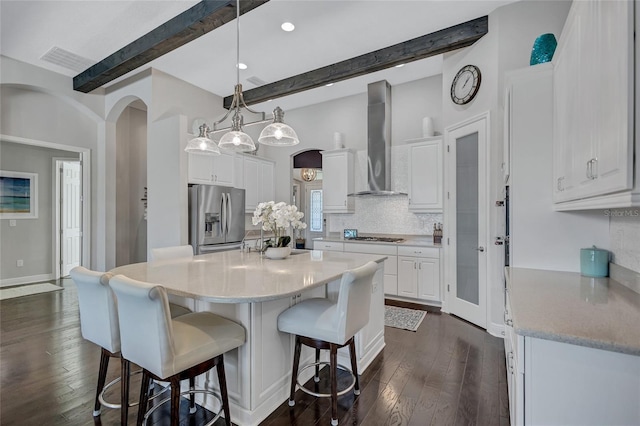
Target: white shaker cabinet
(212,169)
(426,176)
(259,181)
(419,273)
(594,108)
(337,181)
(390,278)
(328,245)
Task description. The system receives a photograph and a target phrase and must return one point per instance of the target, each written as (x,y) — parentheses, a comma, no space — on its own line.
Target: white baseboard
(26,280)
(496,330)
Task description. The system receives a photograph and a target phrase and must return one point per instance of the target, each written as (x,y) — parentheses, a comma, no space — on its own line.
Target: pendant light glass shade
(202,144)
(236,139)
(278,133)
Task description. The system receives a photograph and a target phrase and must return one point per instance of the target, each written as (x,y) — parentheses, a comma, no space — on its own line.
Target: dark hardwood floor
(448,372)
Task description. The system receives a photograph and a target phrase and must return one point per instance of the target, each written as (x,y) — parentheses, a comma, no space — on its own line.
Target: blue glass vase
(543,49)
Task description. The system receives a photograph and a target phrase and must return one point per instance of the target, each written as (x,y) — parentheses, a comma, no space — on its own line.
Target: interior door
(466,219)
(313,212)
(71,216)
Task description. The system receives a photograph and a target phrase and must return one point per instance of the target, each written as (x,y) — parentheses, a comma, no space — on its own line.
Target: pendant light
(308,175)
(236,139)
(202,144)
(276,134)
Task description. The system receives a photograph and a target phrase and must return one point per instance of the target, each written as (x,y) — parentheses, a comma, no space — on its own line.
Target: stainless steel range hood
(378,141)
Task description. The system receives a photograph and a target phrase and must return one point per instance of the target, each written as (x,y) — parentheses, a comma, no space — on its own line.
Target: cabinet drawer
(371,248)
(328,245)
(417,251)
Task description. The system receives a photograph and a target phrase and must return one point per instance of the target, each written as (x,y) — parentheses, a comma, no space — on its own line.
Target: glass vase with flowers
(277,218)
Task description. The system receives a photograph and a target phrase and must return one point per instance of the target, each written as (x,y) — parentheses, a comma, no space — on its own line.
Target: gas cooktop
(379,239)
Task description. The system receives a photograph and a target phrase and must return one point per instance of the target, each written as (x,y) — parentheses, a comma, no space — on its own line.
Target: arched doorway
(131,184)
(306,193)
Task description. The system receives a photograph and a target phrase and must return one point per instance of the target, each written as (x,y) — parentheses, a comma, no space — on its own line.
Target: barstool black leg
(192,396)
(144,397)
(125,368)
(102,378)
(333,359)
(222,380)
(316,378)
(354,366)
(294,373)
(175,401)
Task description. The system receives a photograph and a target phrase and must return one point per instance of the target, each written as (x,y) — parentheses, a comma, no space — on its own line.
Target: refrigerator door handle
(230,211)
(223,214)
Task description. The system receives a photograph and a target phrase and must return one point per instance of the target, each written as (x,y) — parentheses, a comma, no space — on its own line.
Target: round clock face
(465,84)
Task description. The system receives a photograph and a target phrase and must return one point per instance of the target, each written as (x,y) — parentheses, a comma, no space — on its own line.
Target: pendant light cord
(237,52)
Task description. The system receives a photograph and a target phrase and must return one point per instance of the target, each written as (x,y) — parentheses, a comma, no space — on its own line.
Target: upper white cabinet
(594,108)
(212,169)
(337,181)
(425,176)
(259,181)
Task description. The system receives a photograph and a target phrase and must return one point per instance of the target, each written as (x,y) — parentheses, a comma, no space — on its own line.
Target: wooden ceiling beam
(194,22)
(446,40)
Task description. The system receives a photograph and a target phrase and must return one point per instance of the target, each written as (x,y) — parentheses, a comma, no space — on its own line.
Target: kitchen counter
(409,240)
(567,307)
(237,277)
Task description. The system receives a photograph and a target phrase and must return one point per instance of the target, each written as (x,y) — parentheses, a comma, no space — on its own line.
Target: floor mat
(407,319)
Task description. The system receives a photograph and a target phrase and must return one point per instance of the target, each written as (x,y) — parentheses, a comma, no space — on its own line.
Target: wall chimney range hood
(378,141)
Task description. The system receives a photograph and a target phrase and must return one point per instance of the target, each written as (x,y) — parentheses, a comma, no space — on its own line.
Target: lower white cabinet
(390,278)
(557,383)
(328,245)
(419,273)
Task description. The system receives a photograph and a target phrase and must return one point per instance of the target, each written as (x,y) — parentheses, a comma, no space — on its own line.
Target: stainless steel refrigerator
(216,218)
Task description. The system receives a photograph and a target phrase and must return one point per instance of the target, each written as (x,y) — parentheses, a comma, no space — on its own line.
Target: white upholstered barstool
(99,325)
(325,324)
(172,349)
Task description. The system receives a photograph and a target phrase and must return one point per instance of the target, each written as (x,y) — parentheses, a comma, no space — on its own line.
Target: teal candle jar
(594,262)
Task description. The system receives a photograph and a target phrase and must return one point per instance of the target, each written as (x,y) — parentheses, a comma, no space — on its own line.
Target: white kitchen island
(253,290)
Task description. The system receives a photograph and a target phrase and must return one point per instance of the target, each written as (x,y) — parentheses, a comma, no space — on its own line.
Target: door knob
(480,248)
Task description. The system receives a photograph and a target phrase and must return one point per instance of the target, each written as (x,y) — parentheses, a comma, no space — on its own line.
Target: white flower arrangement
(276,218)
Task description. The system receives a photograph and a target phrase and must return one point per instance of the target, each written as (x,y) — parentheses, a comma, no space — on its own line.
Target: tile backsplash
(624,230)
(383,215)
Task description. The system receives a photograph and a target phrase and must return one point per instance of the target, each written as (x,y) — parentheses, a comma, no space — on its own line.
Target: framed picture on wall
(18,195)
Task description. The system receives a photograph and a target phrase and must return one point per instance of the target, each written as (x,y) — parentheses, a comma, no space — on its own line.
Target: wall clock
(465,84)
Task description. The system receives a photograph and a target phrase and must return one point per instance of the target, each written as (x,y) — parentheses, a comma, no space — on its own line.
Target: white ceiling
(326,32)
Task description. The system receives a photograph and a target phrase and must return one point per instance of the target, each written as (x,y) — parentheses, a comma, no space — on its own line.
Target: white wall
(30,240)
(40,105)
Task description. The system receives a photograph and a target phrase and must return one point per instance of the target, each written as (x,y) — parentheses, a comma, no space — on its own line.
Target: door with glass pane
(313,212)
(467,220)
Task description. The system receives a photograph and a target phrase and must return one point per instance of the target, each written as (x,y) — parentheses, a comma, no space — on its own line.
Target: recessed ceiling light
(288,27)
(399,65)
(329,85)
(242,66)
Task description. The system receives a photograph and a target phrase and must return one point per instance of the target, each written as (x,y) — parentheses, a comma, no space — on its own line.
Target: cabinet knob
(480,249)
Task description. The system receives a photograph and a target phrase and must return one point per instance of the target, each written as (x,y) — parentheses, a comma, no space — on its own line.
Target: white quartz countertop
(409,240)
(570,308)
(237,277)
